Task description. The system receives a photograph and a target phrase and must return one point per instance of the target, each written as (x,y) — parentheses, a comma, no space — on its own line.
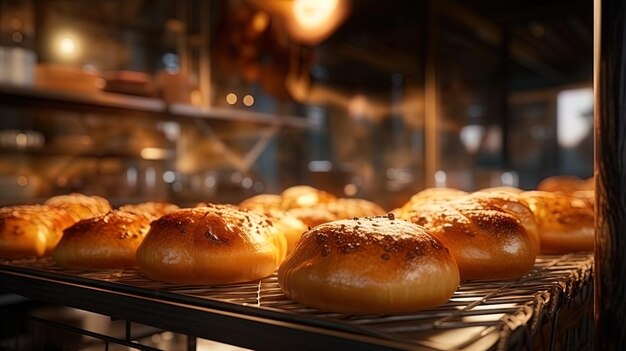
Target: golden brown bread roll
(565,184)
(150,210)
(369,265)
(290,226)
(566,223)
(487,241)
(262,202)
(313,216)
(105,242)
(499,189)
(513,204)
(429,196)
(31,230)
(350,208)
(304,196)
(216,244)
(81,206)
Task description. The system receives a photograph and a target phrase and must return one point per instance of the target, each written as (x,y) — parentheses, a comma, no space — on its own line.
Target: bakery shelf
(31,95)
(228,114)
(481,315)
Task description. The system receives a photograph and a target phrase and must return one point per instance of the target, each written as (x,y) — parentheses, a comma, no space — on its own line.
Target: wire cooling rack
(481,315)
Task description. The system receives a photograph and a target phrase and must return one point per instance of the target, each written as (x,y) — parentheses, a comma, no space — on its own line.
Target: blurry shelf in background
(75,100)
(184,110)
(81,99)
(49,150)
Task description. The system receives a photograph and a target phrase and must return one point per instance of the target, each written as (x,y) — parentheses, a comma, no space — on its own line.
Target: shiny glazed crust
(106,242)
(487,240)
(81,206)
(150,210)
(262,202)
(212,245)
(566,223)
(304,196)
(31,230)
(290,226)
(350,208)
(369,265)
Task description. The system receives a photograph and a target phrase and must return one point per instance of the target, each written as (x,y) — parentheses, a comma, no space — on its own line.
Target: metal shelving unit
(98,101)
(482,315)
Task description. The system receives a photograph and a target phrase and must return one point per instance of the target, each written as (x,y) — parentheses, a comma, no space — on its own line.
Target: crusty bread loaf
(215,244)
(369,265)
(81,206)
(487,241)
(105,242)
(31,230)
(566,223)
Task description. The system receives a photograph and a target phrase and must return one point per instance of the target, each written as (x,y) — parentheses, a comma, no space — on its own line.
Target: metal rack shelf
(27,95)
(481,314)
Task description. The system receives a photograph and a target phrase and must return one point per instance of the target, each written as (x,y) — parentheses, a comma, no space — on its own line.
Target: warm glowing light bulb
(231,98)
(248,100)
(67,46)
(313,13)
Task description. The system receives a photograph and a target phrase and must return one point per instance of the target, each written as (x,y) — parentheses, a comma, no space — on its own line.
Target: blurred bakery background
(193,100)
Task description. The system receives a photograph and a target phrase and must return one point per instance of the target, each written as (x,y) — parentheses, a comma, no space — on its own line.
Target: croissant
(483,232)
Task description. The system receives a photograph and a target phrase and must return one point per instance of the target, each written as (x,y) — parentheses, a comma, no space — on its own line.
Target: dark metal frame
(257,315)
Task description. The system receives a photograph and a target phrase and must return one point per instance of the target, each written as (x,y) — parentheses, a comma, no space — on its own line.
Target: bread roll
(150,210)
(499,189)
(369,265)
(304,196)
(313,216)
(262,202)
(513,204)
(350,208)
(566,223)
(487,241)
(216,244)
(565,184)
(106,242)
(31,230)
(429,196)
(287,224)
(81,206)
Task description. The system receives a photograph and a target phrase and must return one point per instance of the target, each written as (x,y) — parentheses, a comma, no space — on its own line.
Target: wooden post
(610,172)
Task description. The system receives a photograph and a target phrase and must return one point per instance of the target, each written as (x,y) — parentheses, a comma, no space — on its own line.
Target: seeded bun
(81,206)
(566,223)
(106,242)
(31,230)
(367,266)
(216,244)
